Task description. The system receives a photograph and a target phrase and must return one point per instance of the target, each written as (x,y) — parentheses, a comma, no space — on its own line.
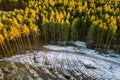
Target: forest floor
(60,62)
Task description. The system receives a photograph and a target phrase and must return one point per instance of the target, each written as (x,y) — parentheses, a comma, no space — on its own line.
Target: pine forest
(59,39)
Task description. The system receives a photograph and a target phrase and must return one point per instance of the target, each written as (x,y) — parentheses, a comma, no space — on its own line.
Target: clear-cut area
(57,62)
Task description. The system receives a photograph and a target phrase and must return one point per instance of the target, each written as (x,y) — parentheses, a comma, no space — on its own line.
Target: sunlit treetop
(1,25)
(25,30)
(34,27)
(1,39)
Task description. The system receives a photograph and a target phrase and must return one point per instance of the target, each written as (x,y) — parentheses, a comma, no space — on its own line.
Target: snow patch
(61,48)
(80,44)
(110,56)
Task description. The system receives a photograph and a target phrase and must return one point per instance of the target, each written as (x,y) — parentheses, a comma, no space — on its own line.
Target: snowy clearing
(68,61)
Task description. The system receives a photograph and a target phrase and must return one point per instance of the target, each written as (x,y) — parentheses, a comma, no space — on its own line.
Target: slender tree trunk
(29,43)
(45,33)
(97,42)
(118,48)
(34,41)
(22,44)
(7,51)
(107,41)
(109,44)
(17,46)
(101,39)
(3,49)
(11,51)
(14,47)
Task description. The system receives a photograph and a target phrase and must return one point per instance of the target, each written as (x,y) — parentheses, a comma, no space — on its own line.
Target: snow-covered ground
(90,62)
(81,47)
(110,55)
(107,69)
